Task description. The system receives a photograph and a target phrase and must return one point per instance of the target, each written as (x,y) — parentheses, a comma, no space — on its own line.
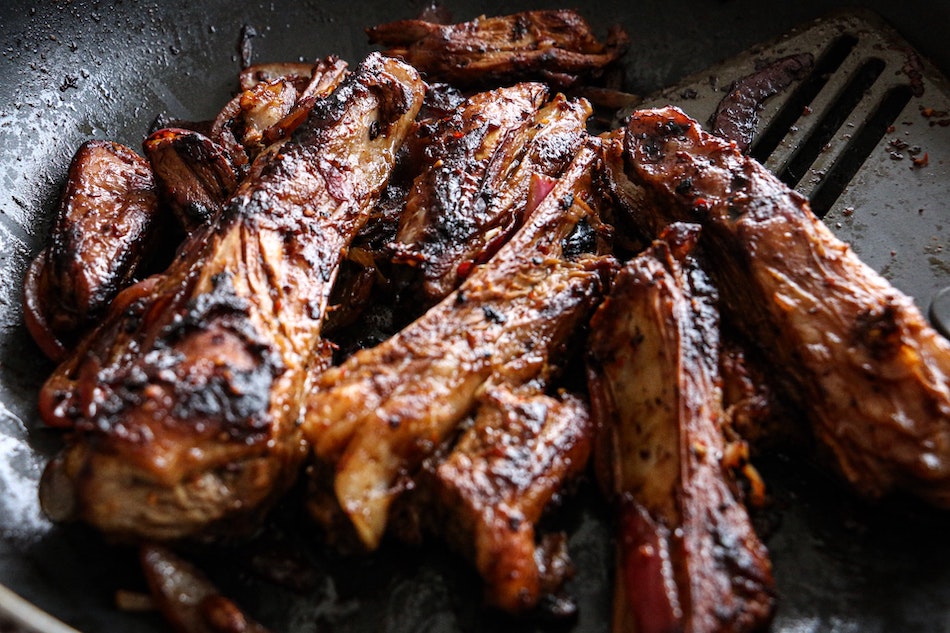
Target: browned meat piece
(445,208)
(269,111)
(193,174)
(492,490)
(856,354)
(441,101)
(261,107)
(383,411)
(185,403)
(467,201)
(299,73)
(555,46)
(99,239)
(487,494)
(326,75)
(737,114)
(187,599)
(688,558)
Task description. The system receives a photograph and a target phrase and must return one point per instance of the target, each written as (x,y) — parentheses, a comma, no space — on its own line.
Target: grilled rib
(495,485)
(444,207)
(467,201)
(521,449)
(856,354)
(379,414)
(185,403)
(556,46)
(100,238)
(688,558)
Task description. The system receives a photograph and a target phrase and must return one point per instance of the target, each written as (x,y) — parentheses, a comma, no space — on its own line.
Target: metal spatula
(865,134)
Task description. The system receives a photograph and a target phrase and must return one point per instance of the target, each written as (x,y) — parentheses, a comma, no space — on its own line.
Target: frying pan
(70,71)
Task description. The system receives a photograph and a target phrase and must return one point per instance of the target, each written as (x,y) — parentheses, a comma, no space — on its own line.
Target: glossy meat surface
(445,207)
(473,188)
(856,354)
(377,416)
(495,485)
(184,404)
(193,174)
(187,599)
(688,557)
(107,213)
(299,73)
(556,46)
(271,106)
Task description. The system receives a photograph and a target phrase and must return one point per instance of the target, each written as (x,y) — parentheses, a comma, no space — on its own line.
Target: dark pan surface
(70,71)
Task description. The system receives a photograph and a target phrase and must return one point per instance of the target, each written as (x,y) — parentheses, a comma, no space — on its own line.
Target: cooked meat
(737,114)
(688,558)
(856,354)
(299,73)
(486,494)
(555,46)
(187,599)
(269,111)
(756,411)
(192,173)
(494,487)
(379,414)
(467,201)
(185,402)
(325,76)
(441,101)
(257,110)
(445,207)
(99,238)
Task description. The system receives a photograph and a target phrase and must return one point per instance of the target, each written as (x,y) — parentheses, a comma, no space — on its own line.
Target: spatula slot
(804,94)
(847,100)
(861,146)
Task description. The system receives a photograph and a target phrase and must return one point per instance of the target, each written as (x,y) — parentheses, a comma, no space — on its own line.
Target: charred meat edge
(379,414)
(555,46)
(269,110)
(460,212)
(523,449)
(444,207)
(858,357)
(687,555)
(100,238)
(185,403)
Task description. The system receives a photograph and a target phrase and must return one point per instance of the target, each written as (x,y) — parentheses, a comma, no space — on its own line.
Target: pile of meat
(380,283)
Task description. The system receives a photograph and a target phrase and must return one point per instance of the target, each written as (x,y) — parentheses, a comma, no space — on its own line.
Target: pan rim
(24,614)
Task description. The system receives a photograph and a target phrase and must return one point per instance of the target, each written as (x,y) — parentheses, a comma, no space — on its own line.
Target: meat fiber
(184,404)
(446,207)
(688,558)
(488,495)
(856,355)
(555,46)
(471,193)
(376,417)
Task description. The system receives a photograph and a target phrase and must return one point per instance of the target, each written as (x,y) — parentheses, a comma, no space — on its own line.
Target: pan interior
(78,70)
